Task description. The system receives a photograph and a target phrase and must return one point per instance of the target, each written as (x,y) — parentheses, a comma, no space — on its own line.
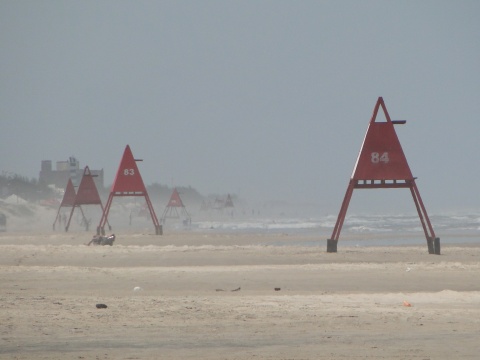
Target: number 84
(376,157)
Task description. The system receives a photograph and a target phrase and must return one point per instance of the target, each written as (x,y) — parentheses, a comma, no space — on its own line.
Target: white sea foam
(450,227)
(364,223)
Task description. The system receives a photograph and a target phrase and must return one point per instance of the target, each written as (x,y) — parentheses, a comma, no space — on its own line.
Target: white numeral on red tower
(376,157)
(127,172)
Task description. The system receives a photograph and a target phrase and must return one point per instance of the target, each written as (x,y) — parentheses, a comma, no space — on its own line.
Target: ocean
(357,230)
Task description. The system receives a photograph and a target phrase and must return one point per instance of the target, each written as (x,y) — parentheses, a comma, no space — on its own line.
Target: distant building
(65,170)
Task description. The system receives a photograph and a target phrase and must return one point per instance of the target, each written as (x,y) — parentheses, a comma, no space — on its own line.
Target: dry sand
(348,305)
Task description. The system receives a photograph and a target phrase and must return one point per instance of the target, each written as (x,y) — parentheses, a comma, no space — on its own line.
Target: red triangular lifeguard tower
(381,164)
(128,182)
(176,209)
(87,194)
(67,201)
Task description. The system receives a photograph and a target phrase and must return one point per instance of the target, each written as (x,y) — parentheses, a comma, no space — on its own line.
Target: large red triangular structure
(381,164)
(381,156)
(175,208)
(128,182)
(128,178)
(87,194)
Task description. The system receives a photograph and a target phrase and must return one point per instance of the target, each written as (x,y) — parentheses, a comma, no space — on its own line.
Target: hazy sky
(269,100)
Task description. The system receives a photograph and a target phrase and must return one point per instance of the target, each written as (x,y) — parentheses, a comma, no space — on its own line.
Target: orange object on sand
(406,303)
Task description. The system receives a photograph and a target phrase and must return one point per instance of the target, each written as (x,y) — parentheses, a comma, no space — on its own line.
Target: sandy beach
(208,295)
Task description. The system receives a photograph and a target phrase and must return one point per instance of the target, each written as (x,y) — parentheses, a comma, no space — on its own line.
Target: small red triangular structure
(228,202)
(69,195)
(381,164)
(175,200)
(172,209)
(128,182)
(218,204)
(67,201)
(87,194)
